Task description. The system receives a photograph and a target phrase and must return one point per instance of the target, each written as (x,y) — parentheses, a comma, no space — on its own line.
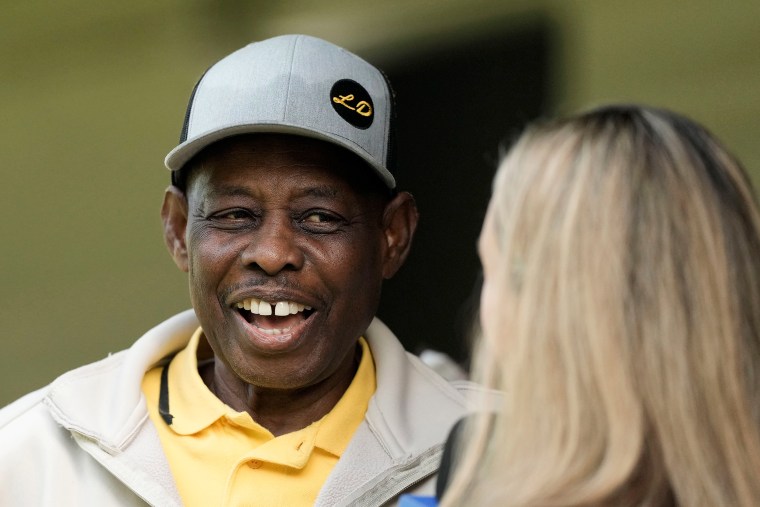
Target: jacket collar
(115,382)
(409,394)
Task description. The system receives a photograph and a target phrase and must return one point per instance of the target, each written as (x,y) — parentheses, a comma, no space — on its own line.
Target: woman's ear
(174,217)
(399,223)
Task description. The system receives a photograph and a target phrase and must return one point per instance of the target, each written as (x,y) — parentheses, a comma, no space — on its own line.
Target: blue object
(417,501)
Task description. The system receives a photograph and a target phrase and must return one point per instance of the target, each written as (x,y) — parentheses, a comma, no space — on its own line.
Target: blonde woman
(621,318)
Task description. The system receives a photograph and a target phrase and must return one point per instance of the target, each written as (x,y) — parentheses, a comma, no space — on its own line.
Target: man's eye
(231,217)
(318,217)
(320,222)
(234,214)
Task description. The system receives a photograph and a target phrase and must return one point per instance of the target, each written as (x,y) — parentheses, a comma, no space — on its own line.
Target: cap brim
(182,154)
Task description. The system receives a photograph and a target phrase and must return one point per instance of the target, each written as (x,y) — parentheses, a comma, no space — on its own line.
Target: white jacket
(86,439)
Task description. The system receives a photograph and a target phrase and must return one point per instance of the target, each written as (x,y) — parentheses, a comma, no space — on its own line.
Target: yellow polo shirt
(222,457)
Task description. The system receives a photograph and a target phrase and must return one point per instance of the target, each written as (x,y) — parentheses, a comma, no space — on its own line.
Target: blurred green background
(92,96)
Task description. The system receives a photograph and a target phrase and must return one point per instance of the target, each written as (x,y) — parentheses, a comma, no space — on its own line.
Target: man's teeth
(281,308)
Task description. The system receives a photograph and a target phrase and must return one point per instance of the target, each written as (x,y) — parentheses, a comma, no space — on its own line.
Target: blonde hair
(628,346)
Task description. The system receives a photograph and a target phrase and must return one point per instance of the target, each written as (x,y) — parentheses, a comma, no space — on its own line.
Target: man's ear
(174,217)
(399,223)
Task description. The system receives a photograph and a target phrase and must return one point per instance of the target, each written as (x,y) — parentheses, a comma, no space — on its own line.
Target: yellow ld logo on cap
(353,103)
(362,107)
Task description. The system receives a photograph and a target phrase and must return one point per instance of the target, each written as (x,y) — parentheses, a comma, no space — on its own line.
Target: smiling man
(280,387)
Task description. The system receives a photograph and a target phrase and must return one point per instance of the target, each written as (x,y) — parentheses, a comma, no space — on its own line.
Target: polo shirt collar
(191,402)
(350,410)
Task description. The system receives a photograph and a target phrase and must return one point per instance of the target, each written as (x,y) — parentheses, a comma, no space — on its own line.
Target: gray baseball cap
(292,84)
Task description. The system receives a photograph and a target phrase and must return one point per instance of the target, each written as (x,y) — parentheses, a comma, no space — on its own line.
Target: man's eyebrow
(324,191)
(228,191)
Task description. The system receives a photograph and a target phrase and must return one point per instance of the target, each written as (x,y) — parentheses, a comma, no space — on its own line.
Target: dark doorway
(456,106)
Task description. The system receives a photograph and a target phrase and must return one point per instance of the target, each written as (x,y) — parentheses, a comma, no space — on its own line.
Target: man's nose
(273,246)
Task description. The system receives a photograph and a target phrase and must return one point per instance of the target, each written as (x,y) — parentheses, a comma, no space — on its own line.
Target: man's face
(285,256)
